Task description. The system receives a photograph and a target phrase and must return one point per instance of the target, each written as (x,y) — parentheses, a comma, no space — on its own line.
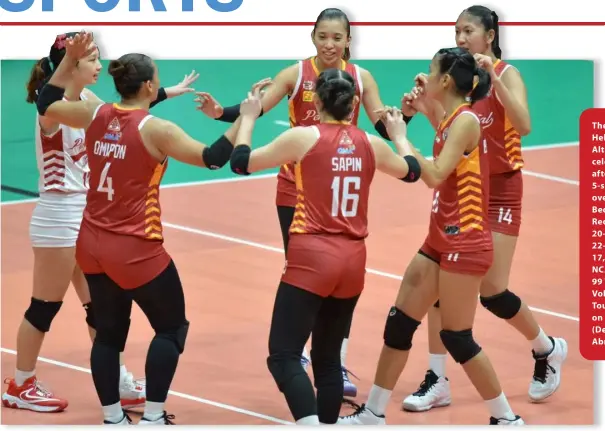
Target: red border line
(292,24)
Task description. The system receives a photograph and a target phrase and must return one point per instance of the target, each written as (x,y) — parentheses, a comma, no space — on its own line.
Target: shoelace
(426,385)
(41,389)
(345,374)
(358,408)
(168,419)
(541,369)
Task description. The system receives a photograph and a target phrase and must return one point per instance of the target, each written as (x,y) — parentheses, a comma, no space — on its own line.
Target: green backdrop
(554,102)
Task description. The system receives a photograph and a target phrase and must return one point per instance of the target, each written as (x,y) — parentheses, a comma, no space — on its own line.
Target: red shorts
(327,265)
(128,260)
(469,263)
(505,198)
(286,188)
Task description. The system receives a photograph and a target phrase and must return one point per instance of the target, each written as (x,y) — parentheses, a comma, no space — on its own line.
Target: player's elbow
(239,160)
(414,171)
(525,128)
(217,155)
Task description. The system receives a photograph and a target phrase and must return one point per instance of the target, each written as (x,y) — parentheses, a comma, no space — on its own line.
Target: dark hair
(336,90)
(489,20)
(460,64)
(334,13)
(44,68)
(129,73)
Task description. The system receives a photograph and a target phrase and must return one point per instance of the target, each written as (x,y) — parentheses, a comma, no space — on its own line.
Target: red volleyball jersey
(459,220)
(504,142)
(302,112)
(124,194)
(333,183)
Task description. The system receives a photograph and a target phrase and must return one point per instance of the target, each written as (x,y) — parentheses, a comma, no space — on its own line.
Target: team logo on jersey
(307,96)
(451,230)
(113,131)
(308,85)
(486,121)
(345,145)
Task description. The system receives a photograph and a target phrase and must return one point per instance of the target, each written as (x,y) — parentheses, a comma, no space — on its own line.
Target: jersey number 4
(344,199)
(106,183)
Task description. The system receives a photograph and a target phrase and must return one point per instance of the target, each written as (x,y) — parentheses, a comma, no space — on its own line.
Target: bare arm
(90,95)
(282,85)
(511,91)
(463,135)
(371,96)
(164,138)
(290,146)
(387,160)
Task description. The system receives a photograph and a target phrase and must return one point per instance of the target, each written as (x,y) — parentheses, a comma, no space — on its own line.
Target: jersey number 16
(344,199)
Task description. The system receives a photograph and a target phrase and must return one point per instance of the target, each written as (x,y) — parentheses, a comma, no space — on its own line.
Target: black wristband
(231,113)
(414,170)
(161,97)
(407,119)
(382,130)
(49,94)
(240,157)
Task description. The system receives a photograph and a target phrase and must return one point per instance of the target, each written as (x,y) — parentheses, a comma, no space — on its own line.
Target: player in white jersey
(54,228)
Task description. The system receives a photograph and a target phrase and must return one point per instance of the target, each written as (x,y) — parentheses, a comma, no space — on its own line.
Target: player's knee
(90,315)
(399,330)
(178,337)
(284,367)
(505,305)
(114,335)
(41,314)
(460,344)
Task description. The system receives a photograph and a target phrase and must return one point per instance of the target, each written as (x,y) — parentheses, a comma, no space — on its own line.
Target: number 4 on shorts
(106,183)
(505,215)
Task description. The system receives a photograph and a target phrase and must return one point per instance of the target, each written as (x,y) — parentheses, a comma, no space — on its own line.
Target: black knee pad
(181,336)
(284,367)
(399,330)
(90,315)
(460,344)
(504,305)
(114,336)
(436,304)
(41,314)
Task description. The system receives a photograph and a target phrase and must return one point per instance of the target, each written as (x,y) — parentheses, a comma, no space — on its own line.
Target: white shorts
(56,219)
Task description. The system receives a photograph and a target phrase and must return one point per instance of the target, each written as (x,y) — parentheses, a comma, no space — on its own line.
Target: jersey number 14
(106,183)
(344,199)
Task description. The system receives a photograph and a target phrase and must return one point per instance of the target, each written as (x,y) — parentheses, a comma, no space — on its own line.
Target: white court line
(272,175)
(173,393)
(281,250)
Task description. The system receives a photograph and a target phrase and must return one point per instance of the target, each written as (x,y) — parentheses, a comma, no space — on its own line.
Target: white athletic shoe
(547,371)
(362,416)
(125,421)
(132,392)
(166,419)
(434,391)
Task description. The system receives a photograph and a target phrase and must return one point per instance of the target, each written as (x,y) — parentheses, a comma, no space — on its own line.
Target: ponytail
(483,85)
(40,73)
(496,42)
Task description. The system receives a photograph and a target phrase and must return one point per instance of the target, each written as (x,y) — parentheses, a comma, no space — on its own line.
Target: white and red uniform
(63,184)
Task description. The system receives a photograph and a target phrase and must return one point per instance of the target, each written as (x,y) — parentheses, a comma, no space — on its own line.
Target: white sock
(437,364)
(123,371)
(309,420)
(153,411)
(499,408)
(343,351)
(378,400)
(113,413)
(22,376)
(542,344)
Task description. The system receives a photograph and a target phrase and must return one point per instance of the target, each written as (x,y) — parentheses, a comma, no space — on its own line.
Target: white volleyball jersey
(62,160)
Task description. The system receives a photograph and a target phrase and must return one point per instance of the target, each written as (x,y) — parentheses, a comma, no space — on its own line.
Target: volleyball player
(331,36)
(458,250)
(120,244)
(334,164)
(505,118)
